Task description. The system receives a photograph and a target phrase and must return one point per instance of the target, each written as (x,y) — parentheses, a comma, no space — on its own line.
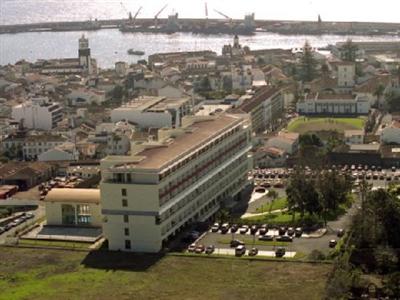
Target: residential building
(183,177)
(156,112)
(346,74)
(83,97)
(64,152)
(38,113)
(333,104)
(265,107)
(287,141)
(354,137)
(35,145)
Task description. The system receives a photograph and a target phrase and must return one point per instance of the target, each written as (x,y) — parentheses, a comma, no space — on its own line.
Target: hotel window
(123,192)
(124,202)
(126,231)
(127,244)
(126,218)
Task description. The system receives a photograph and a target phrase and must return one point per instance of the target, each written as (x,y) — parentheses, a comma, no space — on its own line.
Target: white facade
(86,97)
(64,152)
(156,112)
(120,68)
(39,113)
(346,75)
(149,196)
(242,78)
(36,145)
(354,137)
(334,105)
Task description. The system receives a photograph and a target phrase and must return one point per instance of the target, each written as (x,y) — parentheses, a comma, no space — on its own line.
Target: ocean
(109,46)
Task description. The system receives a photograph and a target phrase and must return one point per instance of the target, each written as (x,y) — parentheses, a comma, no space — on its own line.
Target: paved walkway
(249,215)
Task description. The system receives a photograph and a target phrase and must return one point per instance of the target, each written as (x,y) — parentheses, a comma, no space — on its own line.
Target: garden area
(304,125)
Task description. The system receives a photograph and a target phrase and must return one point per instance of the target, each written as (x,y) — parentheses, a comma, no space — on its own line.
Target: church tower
(84,54)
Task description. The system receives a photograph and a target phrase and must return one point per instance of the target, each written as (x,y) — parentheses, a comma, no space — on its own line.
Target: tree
(393,101)
(349,51)
(379,93)
(227,84)
(325,70)
(308,64)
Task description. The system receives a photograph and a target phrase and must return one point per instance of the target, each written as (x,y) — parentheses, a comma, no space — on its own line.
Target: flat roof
(73,196)
(150,103)
(193,138)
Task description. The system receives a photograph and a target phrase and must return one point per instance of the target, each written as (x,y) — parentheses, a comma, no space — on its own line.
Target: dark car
(280,252)
(234,227)
(332,243)
(284,238)
(235,243)
(263,229)
(253,252)
(290,231)
(298,232)
(340,232)
(266,237)
(253,229)
(210,249)
(224,228)
(282,230)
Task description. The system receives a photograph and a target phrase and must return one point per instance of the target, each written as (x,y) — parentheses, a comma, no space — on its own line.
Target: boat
(135,52)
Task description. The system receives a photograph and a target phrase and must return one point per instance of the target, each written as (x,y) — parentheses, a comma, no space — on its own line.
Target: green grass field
(275,218)
(279,203)
(57,274)
(309,124)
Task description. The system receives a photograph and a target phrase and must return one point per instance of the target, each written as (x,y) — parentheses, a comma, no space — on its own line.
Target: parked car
(282,230)
(234,227)
(298,232)
(253,252)
(266,237)
(224,228)
(192,248)
(253,229)
(332,243)
(210,249)
(30,215)
(280,252)
(263,229)
(240,250)
(340,232)
(284,238)
(215,227)
(235,243)
(243,229)
(199,249)
(290,231)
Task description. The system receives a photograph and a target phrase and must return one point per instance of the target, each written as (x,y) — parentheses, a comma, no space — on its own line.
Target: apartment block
(183,177)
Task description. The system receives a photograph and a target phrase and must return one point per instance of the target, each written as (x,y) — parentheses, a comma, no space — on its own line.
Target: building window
(127,244)
(126,231)
(124,202)
(126,218)
(123,192)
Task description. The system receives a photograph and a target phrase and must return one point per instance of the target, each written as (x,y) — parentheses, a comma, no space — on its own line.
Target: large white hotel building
(183,177)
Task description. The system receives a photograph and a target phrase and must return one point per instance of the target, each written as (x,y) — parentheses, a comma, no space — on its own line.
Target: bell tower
(84,54)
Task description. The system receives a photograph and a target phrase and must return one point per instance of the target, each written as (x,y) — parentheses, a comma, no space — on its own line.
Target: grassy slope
(302,125)
(279,203)
(55,274)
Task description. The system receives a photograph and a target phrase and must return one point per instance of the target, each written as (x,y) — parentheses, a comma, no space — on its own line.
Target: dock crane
(225,16)
(136,14)
(156,16)
(206,11)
